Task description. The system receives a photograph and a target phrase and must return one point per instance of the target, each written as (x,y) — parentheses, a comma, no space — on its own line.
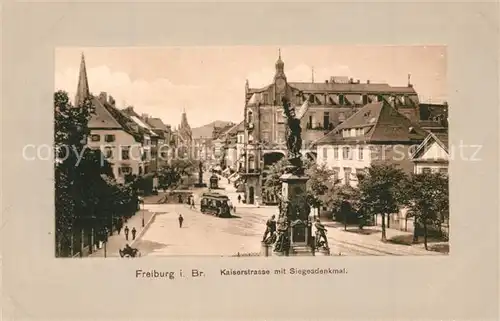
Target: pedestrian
(180,198)
(133,233)
(181,219)
(126,232)
(239,198)
(119,227)
(192,203)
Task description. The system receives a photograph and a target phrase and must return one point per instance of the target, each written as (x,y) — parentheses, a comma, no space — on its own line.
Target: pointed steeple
(184,127)
(82,91)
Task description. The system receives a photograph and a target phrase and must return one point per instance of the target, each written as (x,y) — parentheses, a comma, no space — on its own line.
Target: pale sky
(209,82)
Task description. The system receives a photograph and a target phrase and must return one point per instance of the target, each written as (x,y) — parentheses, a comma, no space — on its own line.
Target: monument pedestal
(266,249)
(296,212)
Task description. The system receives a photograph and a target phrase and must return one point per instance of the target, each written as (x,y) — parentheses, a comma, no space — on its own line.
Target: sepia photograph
(241,151)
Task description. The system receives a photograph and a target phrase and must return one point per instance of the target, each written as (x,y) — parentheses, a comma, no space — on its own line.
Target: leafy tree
(272,184)
(380,191)
(320,185)
(86,194)
(428,200)
(171,174)
(346,202)
(70,132)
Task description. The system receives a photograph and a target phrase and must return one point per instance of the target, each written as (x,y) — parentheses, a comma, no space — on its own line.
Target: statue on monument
(294,131)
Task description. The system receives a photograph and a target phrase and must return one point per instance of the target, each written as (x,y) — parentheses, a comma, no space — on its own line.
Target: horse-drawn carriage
(215,204)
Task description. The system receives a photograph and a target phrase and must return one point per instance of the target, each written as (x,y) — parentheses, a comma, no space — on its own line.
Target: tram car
(215,204)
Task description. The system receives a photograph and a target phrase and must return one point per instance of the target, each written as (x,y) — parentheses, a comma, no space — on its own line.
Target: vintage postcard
(249,161)
(191,151)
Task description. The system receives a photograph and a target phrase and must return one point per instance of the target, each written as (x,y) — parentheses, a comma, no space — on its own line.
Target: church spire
(82,91)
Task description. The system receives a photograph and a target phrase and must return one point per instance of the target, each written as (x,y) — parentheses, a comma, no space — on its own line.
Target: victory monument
(294,225)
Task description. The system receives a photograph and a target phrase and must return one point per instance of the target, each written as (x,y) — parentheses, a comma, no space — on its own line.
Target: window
(346,153)
(335,153)
(310,122)
(109,138)
(360,153)
(365,99)
(325,153)
(250,117)
(95,138)
(125,153)
(124,170)
(281,137)
(341,100)
(353,132)
(379,98)
(265,137)
(326,119)
(443,170)
(108,152)
(265,98)
(426,170)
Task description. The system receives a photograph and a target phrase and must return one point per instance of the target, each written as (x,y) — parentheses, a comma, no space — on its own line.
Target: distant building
(182,140)
(377,133)
(331,103)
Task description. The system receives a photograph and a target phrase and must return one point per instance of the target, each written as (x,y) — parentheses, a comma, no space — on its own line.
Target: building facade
(330,103)
(376,134)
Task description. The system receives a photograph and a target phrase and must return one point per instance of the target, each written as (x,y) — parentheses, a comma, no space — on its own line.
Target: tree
(346,202)
(272,185)
(86,194)
(70,132)
(320,185)
(380,191)
(171,174)
(428,200)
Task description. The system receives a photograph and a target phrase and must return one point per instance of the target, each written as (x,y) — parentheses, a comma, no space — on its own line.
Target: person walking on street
(119,227)
(126,232)
(239,198)
(134,231)
(181,219)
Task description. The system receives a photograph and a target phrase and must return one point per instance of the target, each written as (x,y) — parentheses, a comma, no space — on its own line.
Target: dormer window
(353,132)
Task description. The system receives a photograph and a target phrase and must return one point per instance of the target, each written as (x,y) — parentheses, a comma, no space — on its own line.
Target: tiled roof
(157,123)
(381,123)
(102,118)
(353,87)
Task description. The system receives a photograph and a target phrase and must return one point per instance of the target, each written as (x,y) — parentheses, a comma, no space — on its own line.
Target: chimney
(368,81)
(326,81)
(145,116)
(103,97)
(351,81)
(357,81)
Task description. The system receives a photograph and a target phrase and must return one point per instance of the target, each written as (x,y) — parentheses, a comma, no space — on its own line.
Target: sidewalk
(118,241)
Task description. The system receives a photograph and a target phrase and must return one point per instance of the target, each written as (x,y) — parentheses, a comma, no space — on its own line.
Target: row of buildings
(134,144)
(348,126)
